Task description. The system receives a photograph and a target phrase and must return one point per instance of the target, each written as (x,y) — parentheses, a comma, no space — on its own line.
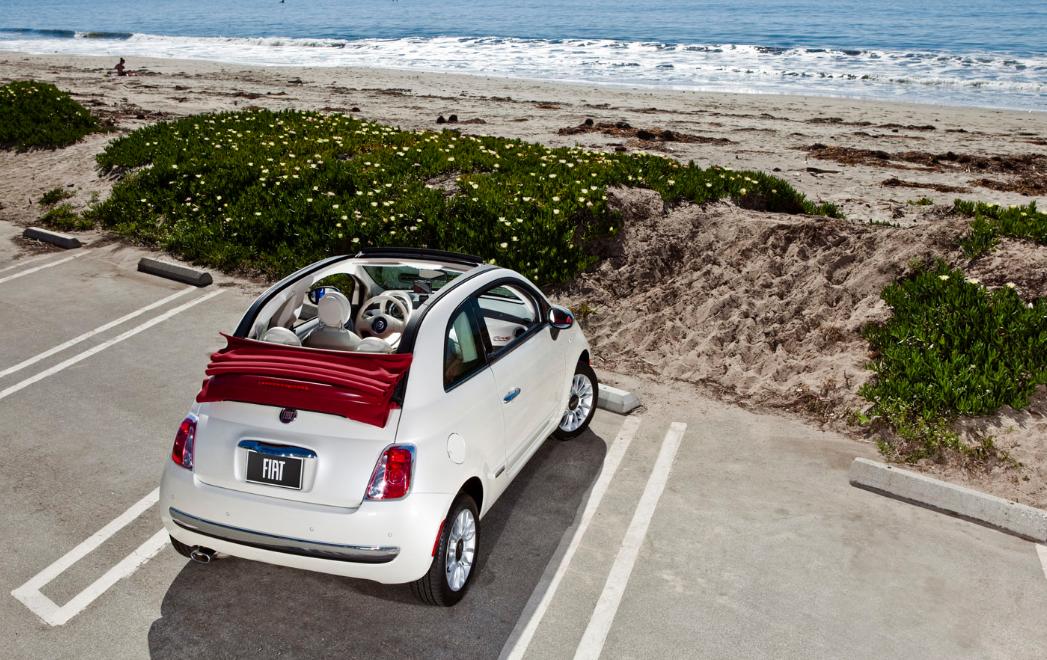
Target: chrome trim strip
(361,554)
(283,451)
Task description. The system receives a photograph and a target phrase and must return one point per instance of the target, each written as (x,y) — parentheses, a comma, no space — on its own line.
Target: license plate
(283,471)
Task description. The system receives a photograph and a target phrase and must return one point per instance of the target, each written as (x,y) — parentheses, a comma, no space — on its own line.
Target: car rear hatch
(294,423)
(317,458)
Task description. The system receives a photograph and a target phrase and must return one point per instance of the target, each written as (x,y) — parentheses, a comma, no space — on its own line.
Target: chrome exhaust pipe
(201,555)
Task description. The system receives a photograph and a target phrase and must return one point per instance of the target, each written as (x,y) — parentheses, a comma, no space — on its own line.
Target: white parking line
(104,345)
(25,262)
(595,634)
(41,267)
(1042,551)
(610,467)
(29,593)
(91,333)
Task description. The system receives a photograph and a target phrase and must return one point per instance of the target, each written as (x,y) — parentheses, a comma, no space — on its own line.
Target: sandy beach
(768,133)
(762,309)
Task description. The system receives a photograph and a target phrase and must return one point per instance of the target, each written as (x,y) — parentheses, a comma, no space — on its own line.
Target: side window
(462,351)
(507,313)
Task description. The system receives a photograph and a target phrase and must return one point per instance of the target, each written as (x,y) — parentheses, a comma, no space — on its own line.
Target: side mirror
(561,318)
(316,293)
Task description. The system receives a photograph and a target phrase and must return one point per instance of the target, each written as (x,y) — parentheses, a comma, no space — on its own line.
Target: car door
(470,403)
(523,359)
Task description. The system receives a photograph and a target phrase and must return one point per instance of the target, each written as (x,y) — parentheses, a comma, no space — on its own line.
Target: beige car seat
(333,312)
(281,336)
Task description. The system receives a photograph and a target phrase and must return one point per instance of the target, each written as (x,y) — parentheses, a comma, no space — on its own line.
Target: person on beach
(120,68)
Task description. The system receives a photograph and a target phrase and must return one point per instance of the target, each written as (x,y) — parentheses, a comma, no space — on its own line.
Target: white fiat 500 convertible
(368,412)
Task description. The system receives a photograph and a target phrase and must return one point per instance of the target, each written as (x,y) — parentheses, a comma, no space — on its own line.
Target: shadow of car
(238,608)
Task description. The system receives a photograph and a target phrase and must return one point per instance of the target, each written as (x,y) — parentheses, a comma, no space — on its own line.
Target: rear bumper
(302,547)
(388,542)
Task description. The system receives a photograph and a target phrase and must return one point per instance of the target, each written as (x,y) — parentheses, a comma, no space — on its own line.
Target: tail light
(391,478)
(185,439)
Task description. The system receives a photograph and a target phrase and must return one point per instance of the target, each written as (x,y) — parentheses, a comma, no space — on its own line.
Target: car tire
(581,404)
(181,548)
(454,564)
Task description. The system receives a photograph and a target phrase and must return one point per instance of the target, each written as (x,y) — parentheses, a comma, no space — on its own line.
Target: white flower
(943,278)
(1011,285)
(503,245)
(973,280)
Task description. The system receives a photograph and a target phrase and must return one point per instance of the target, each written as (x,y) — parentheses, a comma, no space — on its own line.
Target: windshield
(421,280)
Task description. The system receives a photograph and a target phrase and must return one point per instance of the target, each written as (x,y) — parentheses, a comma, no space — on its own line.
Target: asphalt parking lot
(689,529)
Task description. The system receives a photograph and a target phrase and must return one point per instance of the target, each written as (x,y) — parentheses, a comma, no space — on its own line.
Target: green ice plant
(39,115)
(951,347)
(991,221)
(267,192)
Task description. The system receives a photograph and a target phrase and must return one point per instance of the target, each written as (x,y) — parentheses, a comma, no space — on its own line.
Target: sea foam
(971,78)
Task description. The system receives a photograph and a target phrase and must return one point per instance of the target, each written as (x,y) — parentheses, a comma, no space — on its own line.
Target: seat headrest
(333,310)
(283,336)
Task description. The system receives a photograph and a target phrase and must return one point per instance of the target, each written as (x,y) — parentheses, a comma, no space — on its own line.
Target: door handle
(511,394)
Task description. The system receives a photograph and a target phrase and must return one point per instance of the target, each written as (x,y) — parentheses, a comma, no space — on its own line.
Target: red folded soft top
(359,386)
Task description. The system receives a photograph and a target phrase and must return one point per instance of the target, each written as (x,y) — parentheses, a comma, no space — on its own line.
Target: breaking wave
(972,78)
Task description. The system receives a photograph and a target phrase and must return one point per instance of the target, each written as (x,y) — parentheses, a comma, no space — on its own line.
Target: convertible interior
(364,305)
(353,306)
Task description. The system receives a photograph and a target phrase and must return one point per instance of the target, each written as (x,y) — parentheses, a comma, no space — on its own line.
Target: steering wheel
(379,322)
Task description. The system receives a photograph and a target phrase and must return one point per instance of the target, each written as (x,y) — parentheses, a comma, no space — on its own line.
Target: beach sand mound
(1021,262)
(767,309)
(764,308)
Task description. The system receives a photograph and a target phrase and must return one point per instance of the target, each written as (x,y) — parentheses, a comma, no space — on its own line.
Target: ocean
(956,52)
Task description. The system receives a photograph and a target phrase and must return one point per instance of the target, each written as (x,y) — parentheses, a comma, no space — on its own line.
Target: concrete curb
(616,400)
(174,272)
(64,241)
(1017,519)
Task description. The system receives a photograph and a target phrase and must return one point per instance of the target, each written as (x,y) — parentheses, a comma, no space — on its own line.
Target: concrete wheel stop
(1018,519)
(64,241)
(174,272)
(617,401)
